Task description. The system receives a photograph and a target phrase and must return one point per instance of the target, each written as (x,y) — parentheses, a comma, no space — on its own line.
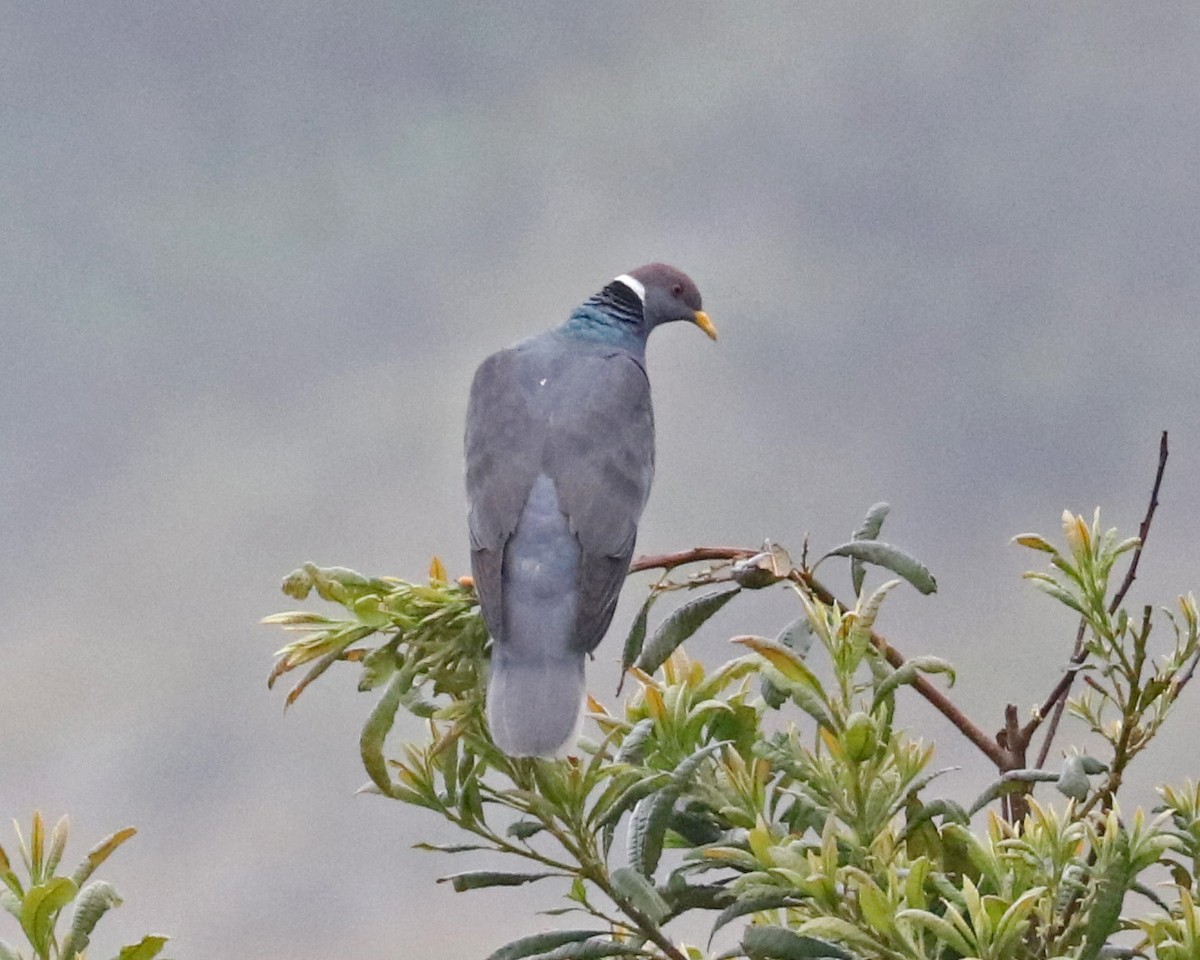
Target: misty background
(252,253)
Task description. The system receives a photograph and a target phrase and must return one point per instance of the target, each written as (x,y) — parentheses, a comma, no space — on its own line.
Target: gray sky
(253,252)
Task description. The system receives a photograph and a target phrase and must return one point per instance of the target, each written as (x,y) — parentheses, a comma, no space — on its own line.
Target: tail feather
(535,705)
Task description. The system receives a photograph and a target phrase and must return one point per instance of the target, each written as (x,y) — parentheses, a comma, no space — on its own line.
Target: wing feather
(600,455)
(581,414)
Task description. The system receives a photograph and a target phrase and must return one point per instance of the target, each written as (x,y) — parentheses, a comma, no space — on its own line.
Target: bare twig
(1144,527)
(1058,697)
(669,561)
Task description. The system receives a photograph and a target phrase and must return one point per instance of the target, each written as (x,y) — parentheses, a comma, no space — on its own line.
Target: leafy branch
(780,789)
(38,900)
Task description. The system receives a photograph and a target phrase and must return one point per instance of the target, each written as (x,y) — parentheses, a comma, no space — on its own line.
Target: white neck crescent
(634,285)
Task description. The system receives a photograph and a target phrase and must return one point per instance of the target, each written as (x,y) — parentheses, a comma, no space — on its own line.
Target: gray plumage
(560,457)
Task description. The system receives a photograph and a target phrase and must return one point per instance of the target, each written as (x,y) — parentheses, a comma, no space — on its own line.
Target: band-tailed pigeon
(560,455)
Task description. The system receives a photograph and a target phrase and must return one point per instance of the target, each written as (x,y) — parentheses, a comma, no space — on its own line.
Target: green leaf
(1104,915)
(747,905)
(811,703)
(885,555)
(1072,780)
(58,841)
(640,893)
(342,641)
(1049,587)
(541,942)
(907,674)
(1034,542)
(591,950)
(796,638)
(681,624)
(647,827)
(1012,782)
(147,948)
(652,815)
(940,927)
(376,729)
(94,901)
(785,660)
(779,943)
(478,879)
(869,530)
(450,847)
(524,829)
(635,740)
(378,665)
(99,853)
(40,908)
(636,638)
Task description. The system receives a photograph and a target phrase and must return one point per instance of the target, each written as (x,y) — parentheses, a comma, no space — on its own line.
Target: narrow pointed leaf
(636,639)
(58,842)
(681,624)
(541,942)
(524,829)
(891,558)
(907,674)
(376,729)
(647,826)
(99,853)
(652,815)
(40,907)
(869,530)
(145,949)
(748,905)
(450,847)
(1052,589)
(779,943)
(1104,917)
(478,879)
(635,740)
(1011,782)
(591,950)
(336,653)
(785,660)
(1034,542)
(94,901)
(640,893)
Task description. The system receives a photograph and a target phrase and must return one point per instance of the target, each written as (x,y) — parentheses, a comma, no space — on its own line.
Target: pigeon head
(666,295)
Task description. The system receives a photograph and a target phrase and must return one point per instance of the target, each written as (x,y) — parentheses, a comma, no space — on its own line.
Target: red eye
(676,289)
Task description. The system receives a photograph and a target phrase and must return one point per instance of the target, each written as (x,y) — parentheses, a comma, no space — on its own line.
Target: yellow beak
(701,320)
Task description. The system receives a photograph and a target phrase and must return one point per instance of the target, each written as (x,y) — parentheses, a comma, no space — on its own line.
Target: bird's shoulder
(553,368)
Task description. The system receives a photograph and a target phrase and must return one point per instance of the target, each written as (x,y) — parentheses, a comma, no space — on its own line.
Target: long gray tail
(535,705)
(535,694)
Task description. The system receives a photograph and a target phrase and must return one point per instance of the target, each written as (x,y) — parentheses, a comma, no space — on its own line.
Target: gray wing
(582,417)
(600,454)
(503,447)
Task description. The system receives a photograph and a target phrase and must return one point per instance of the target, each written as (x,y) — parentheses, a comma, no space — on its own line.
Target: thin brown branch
(1058,697)
(669,561)
(1144,528)
(1056,701)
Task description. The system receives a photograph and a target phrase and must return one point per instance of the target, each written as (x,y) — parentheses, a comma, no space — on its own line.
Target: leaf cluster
(38,900)
(779,791)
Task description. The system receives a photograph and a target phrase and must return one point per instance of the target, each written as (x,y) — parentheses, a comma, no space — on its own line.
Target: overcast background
(252,253)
